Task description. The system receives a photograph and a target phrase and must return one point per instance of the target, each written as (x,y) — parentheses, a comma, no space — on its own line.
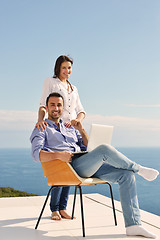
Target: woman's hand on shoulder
(68,124)
(41,125)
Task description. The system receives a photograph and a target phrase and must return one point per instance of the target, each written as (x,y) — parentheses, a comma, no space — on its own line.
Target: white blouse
(72,103)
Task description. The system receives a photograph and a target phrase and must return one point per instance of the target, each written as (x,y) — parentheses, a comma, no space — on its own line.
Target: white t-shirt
(72,103)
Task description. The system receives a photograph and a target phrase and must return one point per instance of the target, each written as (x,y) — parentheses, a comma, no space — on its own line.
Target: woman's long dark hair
(57,66)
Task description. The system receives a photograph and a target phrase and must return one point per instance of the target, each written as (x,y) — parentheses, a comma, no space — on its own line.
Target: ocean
(19,171)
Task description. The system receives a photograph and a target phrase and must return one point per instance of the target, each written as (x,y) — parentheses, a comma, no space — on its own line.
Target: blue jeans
(106,163)
(59,198)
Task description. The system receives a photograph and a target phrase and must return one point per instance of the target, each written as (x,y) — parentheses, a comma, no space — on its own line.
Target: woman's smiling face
(65,70)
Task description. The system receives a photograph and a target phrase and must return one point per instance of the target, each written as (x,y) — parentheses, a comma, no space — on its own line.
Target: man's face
(55,108)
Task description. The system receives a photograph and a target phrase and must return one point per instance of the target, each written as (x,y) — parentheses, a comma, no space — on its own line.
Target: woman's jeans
(106,163)
(59,198)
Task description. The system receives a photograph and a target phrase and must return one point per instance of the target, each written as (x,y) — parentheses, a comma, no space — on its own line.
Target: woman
(73,111)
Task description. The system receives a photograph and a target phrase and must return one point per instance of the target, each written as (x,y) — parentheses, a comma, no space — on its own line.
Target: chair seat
(89,181)
(86,181)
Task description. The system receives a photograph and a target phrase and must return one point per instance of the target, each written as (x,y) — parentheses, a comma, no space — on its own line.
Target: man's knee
(105,147)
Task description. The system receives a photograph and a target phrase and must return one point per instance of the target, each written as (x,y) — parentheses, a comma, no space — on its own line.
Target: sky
(116,53)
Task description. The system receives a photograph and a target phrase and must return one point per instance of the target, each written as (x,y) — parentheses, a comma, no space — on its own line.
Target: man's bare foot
(65,215)
(56,216)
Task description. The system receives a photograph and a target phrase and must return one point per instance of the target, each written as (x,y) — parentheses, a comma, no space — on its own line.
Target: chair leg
(43,207)
(113,207)
(74,201)
(82,214)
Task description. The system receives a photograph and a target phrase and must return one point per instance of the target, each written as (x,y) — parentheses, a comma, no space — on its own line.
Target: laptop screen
(99,134)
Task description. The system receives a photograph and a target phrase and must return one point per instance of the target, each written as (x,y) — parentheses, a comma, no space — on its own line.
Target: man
(104,162)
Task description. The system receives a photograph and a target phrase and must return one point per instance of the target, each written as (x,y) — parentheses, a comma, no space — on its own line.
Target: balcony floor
(18,217)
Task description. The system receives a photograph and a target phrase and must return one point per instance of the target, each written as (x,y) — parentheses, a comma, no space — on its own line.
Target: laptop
(99,134)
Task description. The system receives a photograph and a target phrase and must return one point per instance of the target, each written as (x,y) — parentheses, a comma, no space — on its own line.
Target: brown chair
(60,174)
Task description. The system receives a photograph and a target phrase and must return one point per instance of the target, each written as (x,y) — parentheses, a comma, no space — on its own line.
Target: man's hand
(65,156)
(77,124)
(72,123)
(41,125)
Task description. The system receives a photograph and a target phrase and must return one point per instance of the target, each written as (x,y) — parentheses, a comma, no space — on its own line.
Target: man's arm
(64,156)
(84,136)
(82,131)
(43,154)
(38,142)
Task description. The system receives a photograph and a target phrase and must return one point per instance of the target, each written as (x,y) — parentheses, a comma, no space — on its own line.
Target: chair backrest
(59,173)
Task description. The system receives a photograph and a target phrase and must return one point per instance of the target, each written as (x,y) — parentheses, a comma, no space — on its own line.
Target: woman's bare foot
(56,216)
(65,215)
